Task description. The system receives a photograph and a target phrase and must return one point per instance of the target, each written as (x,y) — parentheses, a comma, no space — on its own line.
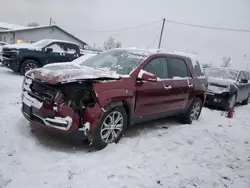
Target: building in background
(20,34)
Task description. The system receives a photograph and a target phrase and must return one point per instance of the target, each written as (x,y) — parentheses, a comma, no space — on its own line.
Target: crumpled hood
(220,81)
(69,73)
(21,46)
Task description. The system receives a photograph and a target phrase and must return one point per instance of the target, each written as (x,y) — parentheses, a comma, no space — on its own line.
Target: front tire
(28,65)
(193,112)
(111,128)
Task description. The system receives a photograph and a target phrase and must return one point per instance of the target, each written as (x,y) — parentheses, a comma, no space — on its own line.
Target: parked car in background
(77,61)
(112,90)
(24,57)
(227,87)
(86,52)
(1,48)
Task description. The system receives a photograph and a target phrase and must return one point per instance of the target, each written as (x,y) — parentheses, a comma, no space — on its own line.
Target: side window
(198,69)
(241,76)
(246,75)
(69,48)
(158,67)
(177,68)
(57,47)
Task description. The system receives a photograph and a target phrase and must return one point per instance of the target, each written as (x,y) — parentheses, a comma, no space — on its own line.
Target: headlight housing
(15,51)
(217,89)
(222,89)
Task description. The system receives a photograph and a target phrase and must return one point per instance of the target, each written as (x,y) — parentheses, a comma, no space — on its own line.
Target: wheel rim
(112,127)
(30,66)
(195,111)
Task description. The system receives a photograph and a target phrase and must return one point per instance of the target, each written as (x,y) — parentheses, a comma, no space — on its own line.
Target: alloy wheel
(30,66)
(112,127)
(195,112)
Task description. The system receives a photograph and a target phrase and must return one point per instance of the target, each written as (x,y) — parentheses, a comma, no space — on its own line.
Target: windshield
(222,73)
(42,43)
(119,61)
(83,58)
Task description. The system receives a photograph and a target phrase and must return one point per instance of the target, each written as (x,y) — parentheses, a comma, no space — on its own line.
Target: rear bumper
(218,100)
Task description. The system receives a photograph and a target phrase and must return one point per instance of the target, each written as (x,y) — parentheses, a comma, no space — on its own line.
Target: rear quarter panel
(200,83)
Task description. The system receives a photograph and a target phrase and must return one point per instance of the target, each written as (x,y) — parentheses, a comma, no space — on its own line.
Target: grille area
(38,90)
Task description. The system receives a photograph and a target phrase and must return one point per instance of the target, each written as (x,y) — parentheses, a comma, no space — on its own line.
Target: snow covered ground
(214,152)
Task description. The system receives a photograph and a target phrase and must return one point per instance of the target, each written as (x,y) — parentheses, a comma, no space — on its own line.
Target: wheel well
(236,93)
(202,97)
(30,58)
(124,103)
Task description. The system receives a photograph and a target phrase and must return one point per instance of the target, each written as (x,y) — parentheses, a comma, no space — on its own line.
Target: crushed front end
(66,107)
(219,95)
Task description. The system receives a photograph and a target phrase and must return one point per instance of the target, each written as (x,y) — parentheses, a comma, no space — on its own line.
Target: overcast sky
(83,17)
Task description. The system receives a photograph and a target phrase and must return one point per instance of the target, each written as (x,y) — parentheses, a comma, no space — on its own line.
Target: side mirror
(146,76)
(49,50)
(244,81)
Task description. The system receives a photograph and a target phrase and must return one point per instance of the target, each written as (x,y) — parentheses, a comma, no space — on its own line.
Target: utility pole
(162,29)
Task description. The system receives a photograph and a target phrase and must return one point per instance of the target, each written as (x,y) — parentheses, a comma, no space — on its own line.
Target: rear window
(198,69)
(177,68)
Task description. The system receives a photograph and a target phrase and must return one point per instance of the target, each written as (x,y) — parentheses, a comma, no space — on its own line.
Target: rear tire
(193,112)
(108,131)
(245,102)
(28,65)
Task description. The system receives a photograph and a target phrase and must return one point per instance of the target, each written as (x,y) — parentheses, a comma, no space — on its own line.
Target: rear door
(71,51)
(178,76)
(152,97)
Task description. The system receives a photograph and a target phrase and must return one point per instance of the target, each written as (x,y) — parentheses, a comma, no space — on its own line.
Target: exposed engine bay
(77,95)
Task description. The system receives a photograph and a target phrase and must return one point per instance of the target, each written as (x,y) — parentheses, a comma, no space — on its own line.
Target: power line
(128,28)
(156,38)
(208,27)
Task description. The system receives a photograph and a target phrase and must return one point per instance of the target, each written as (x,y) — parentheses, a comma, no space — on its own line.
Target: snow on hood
(220,81)
(70,73)
(23,45)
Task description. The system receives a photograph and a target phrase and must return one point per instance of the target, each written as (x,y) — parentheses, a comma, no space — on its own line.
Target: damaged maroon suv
(105,94)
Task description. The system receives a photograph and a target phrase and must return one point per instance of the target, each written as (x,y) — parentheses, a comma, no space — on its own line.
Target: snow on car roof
(223,68)
(57,40)
(11,26)
(137,51)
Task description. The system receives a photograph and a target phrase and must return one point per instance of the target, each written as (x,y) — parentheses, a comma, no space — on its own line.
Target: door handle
(190,85)
(167,87)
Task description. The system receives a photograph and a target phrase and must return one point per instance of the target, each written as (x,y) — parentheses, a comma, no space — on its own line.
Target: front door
(153,97)
(56,55)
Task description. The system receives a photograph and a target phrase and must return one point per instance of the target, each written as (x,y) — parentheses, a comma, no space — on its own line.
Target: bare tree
(33,24)
(226,61)
(111,43)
